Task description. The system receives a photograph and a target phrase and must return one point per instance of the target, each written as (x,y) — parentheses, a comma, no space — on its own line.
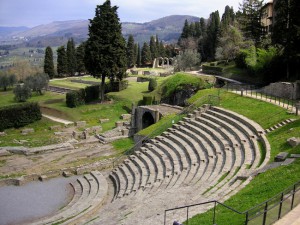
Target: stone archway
(147,120)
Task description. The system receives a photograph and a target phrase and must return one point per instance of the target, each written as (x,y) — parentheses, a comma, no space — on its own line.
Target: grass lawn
(133,93)
(41,136)
(66,83)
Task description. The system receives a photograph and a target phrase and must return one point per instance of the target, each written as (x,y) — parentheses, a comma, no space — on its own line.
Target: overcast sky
(35,12)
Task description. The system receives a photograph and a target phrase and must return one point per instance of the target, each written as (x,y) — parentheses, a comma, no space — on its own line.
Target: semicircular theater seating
(209,155)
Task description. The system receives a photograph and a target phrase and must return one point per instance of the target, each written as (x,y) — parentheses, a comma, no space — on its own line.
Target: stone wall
(283,90)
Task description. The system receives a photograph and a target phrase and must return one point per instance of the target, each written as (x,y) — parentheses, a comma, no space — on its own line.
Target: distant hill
(10,31)
(56,33)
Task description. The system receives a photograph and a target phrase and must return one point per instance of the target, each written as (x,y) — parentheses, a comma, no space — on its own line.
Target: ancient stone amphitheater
(209,155)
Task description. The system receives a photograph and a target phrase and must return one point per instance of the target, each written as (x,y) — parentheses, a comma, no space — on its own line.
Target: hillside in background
(57,33)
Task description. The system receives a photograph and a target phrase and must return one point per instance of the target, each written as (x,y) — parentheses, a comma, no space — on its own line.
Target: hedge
(75,98)
(92,93)
(82,96)
(19,115)
(116,86)
(215,70)
(152,84)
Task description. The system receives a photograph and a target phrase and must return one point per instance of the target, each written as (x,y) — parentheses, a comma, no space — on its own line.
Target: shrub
(152,84)
(75,98)
(22,93)
(19,115)
(92,93)
(179,82)
(37,82)
(215,70)
(117,86)
(147,100)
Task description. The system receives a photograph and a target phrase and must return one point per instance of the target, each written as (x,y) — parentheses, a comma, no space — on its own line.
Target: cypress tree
(139,57)
(48,63)
(162,52)
(210,42)
(71,57)
(136,50)
(185,30)
(146,55)
(80,58)
(227,17)
(105,52)
(153,48)
(61,61)
(130,52)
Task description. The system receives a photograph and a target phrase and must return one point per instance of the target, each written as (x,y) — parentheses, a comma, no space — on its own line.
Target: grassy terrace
(54,104)
(265,185)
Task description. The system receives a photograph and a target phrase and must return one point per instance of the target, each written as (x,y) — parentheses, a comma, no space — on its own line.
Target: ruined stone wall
(283,90)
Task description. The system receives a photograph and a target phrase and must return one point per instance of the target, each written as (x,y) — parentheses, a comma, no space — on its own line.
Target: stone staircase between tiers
(210,155)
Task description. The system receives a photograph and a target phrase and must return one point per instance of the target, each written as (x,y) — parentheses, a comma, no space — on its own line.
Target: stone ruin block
(281,157)
(125,132)
(103,120)
(55,128)
(2,134)
(126,116)
(80,123)
(119,124)
(294,141)
(96,129)
(27,131)
(146,72)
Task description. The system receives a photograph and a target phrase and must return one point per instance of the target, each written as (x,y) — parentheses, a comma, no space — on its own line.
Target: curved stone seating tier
(250,138)
(90,193)
(183,165)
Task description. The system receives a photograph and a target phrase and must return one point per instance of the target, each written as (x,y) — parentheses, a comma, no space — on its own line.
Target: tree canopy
(48,63)
(105,52)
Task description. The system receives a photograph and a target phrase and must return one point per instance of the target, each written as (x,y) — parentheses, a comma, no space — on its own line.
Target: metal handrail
(265,205)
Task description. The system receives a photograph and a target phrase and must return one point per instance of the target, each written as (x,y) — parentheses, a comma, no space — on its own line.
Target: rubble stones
(126,116)
(27,131)
(80,123)
(294,141)
(55,128)
(104,120)
(119,124)
(281,157)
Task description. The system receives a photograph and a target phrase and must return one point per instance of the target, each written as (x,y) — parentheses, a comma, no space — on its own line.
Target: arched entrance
(147,120)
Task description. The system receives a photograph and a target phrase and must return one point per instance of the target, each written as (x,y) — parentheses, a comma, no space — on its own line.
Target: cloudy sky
(35,12)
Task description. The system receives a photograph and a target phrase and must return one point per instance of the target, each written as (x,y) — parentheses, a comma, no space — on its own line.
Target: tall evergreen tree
(162,52)
(71,57)
(146,55)
(48,63)
(202,39)
(61,61)
(227,17)
(157,46)
(210,42)
(136,49)
(286,30)
(105,52)
(130,51)
(185,31)
(153,48)
(139,56)
(250,19)
(80,51)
